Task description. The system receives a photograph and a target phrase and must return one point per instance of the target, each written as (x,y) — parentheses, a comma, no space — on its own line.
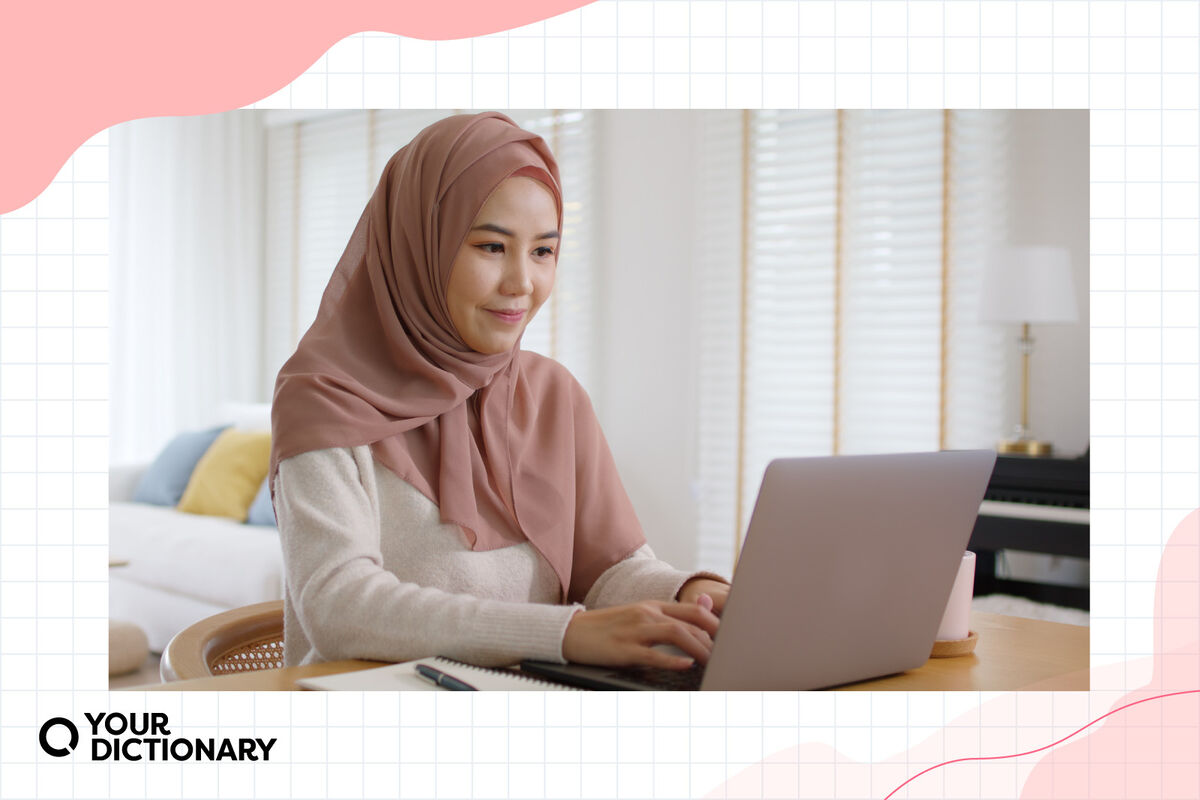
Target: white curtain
(185,222)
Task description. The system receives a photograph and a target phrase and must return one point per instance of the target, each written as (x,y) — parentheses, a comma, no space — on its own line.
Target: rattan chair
(240,640)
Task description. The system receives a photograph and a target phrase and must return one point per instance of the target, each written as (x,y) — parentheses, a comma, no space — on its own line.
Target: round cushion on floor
(127,647)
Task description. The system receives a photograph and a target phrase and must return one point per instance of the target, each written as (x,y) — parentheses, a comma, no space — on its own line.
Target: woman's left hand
(705,592)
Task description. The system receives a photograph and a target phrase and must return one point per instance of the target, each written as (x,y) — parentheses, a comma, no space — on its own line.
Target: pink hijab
(383,365)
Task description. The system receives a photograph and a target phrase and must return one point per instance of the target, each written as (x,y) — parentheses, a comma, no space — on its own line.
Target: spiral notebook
(404,677)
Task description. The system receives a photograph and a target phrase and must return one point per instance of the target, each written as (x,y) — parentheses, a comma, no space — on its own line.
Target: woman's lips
(511,317)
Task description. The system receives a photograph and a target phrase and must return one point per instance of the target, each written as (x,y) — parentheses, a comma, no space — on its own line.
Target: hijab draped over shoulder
(383,365)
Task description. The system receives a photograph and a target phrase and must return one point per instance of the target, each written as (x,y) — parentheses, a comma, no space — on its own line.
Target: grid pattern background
(1136,64)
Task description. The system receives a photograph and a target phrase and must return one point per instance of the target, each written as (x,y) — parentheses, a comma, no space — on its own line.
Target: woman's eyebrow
(488,226)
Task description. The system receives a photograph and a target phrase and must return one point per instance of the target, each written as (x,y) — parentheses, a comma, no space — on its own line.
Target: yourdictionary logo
(51,724)
(144,736)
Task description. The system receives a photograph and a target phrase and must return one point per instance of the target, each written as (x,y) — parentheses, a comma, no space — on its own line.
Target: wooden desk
(1012,653)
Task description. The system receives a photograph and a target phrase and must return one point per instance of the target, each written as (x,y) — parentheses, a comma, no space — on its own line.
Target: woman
(438,490)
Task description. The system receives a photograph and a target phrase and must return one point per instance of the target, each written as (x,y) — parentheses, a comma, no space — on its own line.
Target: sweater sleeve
(349,606)
(641,576)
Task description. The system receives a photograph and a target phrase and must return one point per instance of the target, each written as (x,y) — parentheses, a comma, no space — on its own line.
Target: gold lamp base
(1024,447)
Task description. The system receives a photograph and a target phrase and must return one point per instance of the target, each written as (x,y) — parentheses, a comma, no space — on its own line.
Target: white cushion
(209,559)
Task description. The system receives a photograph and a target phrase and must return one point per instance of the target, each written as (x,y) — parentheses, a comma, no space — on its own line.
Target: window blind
(838,292)
(717,201)
(891,281)
(979,357)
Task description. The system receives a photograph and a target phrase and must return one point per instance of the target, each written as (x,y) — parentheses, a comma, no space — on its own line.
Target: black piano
(1036,505)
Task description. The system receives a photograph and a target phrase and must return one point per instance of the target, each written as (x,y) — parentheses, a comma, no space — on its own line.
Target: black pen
(444,680)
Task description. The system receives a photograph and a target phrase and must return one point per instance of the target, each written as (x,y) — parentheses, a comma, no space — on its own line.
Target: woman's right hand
(624,636)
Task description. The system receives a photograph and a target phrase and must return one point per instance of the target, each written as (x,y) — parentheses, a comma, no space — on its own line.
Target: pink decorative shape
(72,71)
(1152,747)
(1076,783)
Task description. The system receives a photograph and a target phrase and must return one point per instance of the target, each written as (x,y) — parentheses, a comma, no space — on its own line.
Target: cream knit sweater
(372,572)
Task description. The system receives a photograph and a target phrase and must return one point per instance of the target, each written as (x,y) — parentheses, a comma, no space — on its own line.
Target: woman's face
(505,268)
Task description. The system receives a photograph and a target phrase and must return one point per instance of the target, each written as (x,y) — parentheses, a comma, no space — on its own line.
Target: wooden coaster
(955,647)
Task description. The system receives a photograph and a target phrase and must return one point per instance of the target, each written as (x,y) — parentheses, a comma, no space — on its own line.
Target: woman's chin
(495,347)
(493,339)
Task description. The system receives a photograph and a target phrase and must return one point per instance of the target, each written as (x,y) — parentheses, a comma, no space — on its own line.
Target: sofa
(173,568)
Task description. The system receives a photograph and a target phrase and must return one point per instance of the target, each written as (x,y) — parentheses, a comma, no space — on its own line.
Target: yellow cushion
(228,475)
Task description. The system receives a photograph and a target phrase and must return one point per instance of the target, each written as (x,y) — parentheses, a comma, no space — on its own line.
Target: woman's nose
(518,276)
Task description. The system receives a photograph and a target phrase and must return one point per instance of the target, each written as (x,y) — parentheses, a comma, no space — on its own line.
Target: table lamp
(1027,285)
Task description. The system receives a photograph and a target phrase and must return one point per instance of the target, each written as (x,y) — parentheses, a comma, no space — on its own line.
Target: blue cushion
(164,480)
(261,511)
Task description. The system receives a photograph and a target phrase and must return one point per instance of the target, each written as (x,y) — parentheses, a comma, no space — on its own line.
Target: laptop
(844,576)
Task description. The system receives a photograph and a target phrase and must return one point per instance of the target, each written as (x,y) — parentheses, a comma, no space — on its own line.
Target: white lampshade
(1028,284)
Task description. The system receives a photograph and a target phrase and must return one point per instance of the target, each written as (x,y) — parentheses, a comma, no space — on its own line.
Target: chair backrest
(239,640)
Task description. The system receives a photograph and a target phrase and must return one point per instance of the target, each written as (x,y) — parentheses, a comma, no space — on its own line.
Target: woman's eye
(491,247)
(544,251)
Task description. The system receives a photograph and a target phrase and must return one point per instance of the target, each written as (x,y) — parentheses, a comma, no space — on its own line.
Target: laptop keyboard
(685,680)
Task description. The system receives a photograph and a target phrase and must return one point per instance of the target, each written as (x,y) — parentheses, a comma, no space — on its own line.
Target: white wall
(1049,200)
(647,372)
